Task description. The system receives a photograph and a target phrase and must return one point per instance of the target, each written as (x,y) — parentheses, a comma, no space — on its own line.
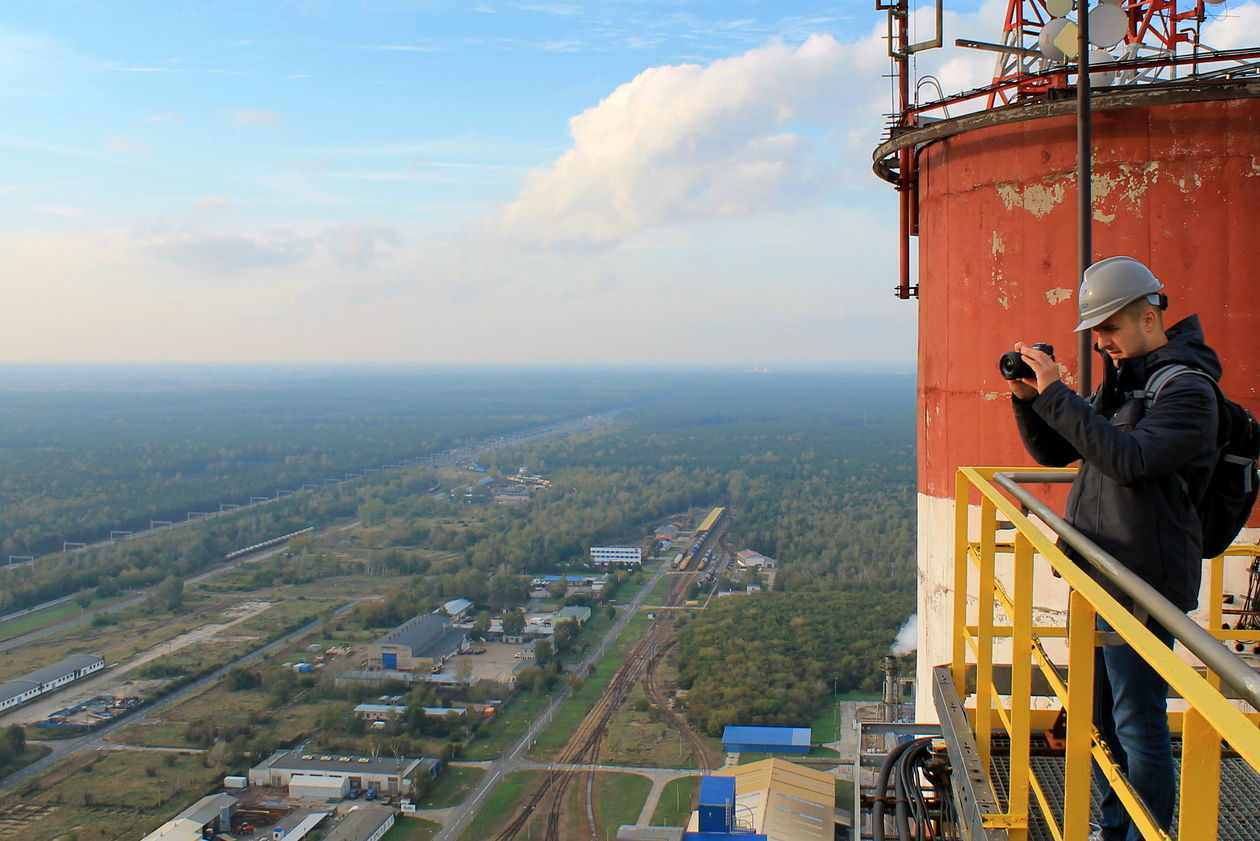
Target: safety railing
(998,569)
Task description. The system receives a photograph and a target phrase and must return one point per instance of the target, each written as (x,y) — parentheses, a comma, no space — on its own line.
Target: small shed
(738,739)
(310,787)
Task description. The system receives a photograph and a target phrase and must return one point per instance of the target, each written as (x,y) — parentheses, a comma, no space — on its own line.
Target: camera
(1013,366)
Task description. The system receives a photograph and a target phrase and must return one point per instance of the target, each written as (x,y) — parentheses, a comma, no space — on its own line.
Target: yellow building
(783,801)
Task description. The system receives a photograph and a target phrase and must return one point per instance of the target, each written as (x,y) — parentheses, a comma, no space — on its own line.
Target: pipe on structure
(1085,192)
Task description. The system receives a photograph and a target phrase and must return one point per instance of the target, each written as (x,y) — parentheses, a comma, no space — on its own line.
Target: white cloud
(258,118)
(779,126)
(1232,26)
(687,141)
(159,119)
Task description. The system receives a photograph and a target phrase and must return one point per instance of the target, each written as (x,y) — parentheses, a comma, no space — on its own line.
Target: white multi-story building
(616,556)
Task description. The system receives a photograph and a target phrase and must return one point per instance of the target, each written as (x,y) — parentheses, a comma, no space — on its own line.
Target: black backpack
(1231,492)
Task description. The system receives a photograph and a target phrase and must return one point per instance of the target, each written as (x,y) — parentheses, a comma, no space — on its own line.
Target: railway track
(651,687)
(583,746)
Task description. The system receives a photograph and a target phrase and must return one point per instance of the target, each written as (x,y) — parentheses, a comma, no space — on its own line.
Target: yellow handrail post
(984,633)
(961,569)
(1021,689)
(1080,716)
(1200,779)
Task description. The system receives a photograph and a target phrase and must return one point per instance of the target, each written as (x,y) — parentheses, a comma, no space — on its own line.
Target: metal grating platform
(1240,795)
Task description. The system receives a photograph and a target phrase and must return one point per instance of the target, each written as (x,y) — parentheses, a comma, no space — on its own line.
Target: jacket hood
(1185,346)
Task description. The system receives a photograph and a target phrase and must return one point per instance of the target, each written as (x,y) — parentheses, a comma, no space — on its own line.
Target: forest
(817,468)
(84,452)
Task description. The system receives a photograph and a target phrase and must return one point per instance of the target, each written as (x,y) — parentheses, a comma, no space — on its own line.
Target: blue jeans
(1131,711)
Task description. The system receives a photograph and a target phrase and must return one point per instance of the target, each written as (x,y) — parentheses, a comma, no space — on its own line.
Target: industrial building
(736,739)
(363,823)
(211,812)
(420,643)
(622,557)
(750,559)
(771,799)
(326,777)
(457,609)
(40,681)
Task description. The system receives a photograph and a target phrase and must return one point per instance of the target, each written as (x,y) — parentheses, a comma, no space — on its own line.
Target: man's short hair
(1137,306)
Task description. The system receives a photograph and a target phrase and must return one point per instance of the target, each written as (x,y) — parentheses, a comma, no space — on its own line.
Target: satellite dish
(1101,78)
(1107,26)
(1058,39)
(1059,8)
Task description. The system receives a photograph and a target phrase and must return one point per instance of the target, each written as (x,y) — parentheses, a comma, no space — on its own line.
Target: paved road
(96,739)
(458,817)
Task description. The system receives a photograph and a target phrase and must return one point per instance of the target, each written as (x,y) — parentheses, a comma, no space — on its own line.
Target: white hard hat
(1111,284)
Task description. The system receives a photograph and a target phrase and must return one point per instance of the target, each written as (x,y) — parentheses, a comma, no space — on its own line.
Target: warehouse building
(781,800)
(213,811)
(624,557)
(324,777)
(736,739)
(363,823)
(422,643)
(40,681)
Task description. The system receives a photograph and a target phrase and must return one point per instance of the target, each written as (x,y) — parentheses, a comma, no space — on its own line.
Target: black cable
(881,789)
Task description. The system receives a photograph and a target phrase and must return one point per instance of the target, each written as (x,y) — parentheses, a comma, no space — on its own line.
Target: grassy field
(452,787)
(70,802)
(138,628)
(677,800)
(494,737)
(411,829)
(49,616)
(573,710)
(618,799)
(502,804)
(33,753)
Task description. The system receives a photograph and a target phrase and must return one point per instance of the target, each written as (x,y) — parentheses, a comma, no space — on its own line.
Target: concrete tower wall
(1176,184)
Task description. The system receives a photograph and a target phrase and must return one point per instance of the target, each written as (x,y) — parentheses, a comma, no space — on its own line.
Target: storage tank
(992,197)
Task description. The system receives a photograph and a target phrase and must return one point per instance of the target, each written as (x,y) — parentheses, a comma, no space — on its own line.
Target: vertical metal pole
(1085,191)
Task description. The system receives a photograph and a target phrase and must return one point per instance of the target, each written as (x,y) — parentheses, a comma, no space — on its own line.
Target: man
(1141,476)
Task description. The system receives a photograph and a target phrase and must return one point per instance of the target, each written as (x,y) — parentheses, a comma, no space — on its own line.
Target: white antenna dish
(1058,39)
(1107,26)
(1101,78)
(1059,8)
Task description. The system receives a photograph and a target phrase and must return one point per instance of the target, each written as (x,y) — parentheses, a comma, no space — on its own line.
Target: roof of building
(786,736)
(179,829)
(649,833)
(577,612)
(48,674)
(207,808)
(426,636)
(784,800)
(290,760)
(360,823)
(455,606)
(381,709)
(303,827)
(317,781)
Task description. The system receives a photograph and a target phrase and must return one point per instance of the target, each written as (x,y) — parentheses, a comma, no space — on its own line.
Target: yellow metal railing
(1209,719)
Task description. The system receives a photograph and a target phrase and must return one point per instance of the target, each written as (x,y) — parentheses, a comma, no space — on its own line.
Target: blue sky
(659,182)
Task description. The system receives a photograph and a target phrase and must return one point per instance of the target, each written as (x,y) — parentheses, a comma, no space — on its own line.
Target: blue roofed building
(738,739)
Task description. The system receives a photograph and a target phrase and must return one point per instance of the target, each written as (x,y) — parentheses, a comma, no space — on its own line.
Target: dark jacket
(1141,474)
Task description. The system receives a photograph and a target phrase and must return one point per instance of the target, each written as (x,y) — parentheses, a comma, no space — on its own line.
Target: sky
(421,181)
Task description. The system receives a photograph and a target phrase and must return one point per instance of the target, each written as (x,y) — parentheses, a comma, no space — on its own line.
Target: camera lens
(1013,367)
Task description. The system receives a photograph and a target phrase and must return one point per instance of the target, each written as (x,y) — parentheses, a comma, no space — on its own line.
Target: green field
(618,800)
(676,803)
(49,616)
(511,721)
(452,787)
(501,804)
(574,709)
(411,829)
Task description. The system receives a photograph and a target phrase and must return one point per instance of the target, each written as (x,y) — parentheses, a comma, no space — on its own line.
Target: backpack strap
(1155,384)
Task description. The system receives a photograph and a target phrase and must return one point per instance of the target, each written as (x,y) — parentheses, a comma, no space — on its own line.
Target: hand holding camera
(1029,368)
